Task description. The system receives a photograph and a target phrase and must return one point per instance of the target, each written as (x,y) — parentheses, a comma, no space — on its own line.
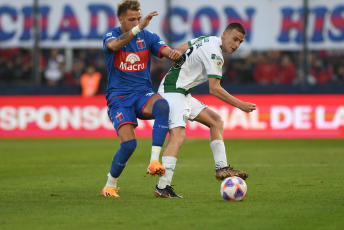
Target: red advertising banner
(277,116)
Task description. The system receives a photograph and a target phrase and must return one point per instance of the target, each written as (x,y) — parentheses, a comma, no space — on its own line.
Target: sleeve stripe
(159,54)
(215,76)
(107,44)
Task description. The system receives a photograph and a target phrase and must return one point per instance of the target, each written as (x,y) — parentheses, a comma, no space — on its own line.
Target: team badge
(141,43)
(218,60)
(108,34)
(119,117)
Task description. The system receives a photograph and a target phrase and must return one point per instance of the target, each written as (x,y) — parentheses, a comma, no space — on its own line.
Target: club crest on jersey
(119,117)
(141,43)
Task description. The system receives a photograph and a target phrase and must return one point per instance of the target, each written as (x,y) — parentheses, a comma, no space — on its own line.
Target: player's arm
(183,47)
(174,54)
(125,38)
(171,54)
(216,90)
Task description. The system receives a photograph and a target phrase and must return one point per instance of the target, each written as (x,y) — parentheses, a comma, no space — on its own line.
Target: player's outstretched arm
(126,37)
(219,92)
(171,54)
(183,47)
(174,54)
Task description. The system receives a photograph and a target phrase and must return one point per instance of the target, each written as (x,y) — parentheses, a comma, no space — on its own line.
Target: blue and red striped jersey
(128,69)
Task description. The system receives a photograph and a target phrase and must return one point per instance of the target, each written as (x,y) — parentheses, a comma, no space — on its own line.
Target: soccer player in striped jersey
(129,92)
(202,61)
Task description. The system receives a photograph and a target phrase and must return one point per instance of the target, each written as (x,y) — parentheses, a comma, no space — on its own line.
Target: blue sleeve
(156,44)
(106,38)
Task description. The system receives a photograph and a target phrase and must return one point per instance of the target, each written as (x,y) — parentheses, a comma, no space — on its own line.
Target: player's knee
(129,146)
(181,138)
(217,122)
(220,122)
(161,108)
(177,136)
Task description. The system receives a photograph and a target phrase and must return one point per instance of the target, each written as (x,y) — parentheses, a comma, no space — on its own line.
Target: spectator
(2,70)
(53,73)
(8,72)
(90,81)
(320,72)
(339,74)
(239,72)
(266,70)
(18,73)
(286,71)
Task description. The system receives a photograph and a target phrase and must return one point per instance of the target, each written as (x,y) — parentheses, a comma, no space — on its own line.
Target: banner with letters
(277,116)
(270,24)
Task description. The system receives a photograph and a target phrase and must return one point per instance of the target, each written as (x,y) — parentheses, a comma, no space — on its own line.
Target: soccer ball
(233,189)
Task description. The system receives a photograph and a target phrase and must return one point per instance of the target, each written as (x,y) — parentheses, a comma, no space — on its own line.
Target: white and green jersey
(201,61)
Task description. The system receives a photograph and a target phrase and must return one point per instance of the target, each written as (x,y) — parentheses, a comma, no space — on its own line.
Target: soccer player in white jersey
(202,61)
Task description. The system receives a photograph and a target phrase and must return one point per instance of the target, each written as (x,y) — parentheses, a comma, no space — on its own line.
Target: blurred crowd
(86,68)
(275,67)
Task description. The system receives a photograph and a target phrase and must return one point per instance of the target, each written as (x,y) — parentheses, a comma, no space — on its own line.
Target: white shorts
(182,108)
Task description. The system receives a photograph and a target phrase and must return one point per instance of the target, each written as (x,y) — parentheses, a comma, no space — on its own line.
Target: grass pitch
(56,184)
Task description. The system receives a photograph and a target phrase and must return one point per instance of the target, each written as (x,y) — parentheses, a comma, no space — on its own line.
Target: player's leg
(157,108)
(212,120)
(169,160)
(124,120)
(179,113)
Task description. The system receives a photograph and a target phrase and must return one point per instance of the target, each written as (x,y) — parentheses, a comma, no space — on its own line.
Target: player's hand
(174,55)
(147,19)
(247,107)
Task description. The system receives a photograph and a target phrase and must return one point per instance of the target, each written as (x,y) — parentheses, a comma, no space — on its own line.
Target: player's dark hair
(125,5)
(237,26)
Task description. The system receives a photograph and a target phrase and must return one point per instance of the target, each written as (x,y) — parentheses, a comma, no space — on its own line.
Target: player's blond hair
(237,26)
(127,5)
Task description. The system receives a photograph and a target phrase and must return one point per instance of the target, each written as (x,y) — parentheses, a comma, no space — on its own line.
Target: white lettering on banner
(90,113)
(49,117)
(321,123)
(239,118)
(254,120)
(281,117)
(70,117)
(302,116)
(105,121)
(8,119)
(299,117)
(92,117)
(339,116)
(25,116)
(78,24)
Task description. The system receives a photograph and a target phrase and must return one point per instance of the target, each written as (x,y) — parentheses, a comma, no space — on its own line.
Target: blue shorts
(126,109)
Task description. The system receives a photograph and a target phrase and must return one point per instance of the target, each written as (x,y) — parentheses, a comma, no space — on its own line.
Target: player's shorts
(182,108)
(126,109)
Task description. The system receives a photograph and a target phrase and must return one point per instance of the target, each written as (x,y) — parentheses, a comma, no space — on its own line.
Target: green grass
(55,184)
